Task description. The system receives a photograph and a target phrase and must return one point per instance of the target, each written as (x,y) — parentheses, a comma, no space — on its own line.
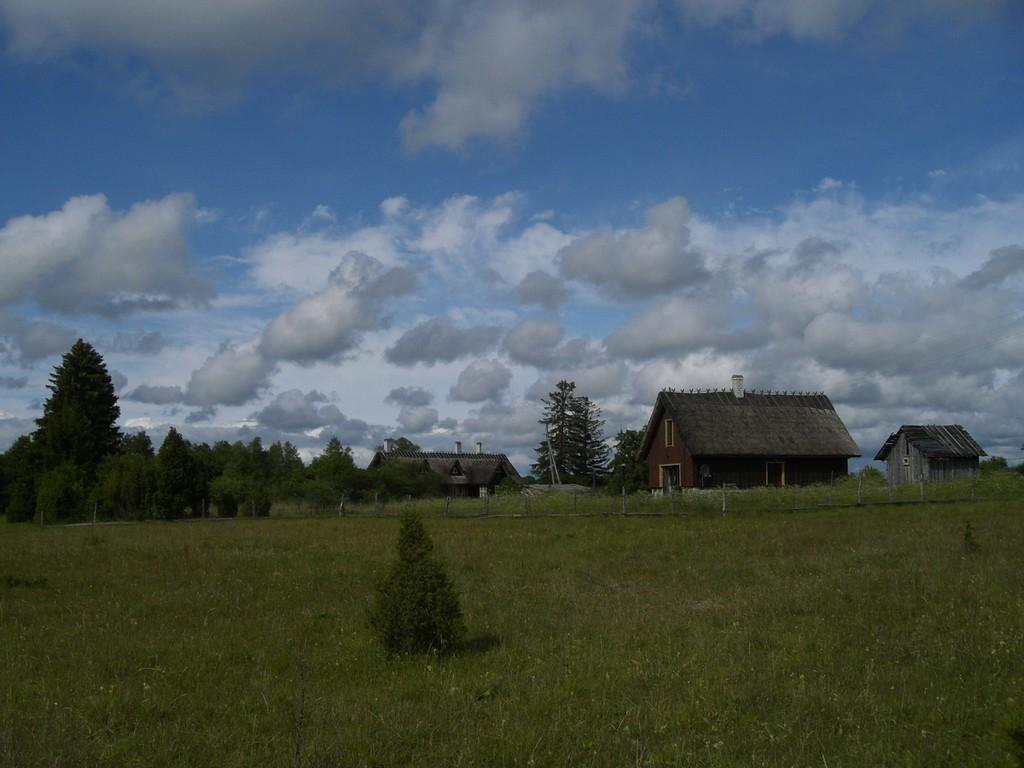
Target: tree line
(78,464)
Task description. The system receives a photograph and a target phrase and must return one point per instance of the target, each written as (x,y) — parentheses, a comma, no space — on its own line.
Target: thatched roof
(934,441)
(457,468)
(775,424)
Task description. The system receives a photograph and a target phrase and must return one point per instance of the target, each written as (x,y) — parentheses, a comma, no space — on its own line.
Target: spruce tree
(561,438)
(590,457)
(417,609)
(175,482)
(79,421)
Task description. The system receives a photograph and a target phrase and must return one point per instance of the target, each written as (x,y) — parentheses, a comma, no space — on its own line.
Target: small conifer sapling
(416,608)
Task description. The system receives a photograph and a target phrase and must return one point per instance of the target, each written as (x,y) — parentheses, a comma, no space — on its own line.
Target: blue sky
(298,219)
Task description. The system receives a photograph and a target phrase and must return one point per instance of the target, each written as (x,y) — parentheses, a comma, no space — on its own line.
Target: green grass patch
(839,637)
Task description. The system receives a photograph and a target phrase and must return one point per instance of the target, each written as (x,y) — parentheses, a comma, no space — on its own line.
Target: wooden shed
(709,438)
(932,452)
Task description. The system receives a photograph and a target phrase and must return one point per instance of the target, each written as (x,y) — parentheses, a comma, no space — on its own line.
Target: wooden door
(775,473)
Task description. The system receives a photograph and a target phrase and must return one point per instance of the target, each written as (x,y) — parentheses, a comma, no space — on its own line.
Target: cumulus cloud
(232,376)
(88,258)
(137,343)
(489,63)
(417,419)
(34,340)
(1001,264)
(543,288)
(600,380)
(328,324)
(636,263)
(293,413)
(155,394)
(440,340)
(533,342)
(409,396)
(13,382)
(485,65)
(481,380)
(679,324)
(297,411)
(505,426)
(201,415)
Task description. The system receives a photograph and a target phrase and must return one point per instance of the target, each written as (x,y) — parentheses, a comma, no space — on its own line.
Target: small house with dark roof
(714,437)
(932,452)
(465,474)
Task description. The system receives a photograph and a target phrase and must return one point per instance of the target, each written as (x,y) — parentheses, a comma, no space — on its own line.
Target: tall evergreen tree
(79,421)
(590,457)
(561,438)
(175,481)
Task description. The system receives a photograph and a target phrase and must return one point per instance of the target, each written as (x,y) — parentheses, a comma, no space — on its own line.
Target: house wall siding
(750,472)
(660,454)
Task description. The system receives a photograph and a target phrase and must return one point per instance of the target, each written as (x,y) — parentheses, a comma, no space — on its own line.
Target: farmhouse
(709,438)
(932,452)
(465,474)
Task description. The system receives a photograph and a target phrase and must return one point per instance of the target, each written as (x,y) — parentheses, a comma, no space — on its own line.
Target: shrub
(62,494)
(417,609)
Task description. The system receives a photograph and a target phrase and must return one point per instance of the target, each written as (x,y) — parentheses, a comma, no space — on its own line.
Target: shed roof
(717,423)
(458,468)
(934,441)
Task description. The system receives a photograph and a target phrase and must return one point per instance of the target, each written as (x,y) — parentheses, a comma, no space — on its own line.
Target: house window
(670,434)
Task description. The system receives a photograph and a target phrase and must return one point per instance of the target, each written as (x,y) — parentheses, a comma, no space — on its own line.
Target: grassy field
(839,637)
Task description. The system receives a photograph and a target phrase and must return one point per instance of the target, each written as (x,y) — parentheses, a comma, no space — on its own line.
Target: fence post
(623,499)
(920,482)
(974,486)
(725,504)
(94,513)
(202,508)
(831,482)
(860,481)
(671,503)
(574,502)
(447,504)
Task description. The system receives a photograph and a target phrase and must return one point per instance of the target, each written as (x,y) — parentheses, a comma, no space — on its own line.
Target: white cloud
(438,339)
(417,419)
(328,323)
(639,262)
(232,376)
(88,258)
(534,341)
(486,64)
(481,380)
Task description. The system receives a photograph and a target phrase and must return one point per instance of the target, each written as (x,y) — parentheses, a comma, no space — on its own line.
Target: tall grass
(847,491)
(838,637)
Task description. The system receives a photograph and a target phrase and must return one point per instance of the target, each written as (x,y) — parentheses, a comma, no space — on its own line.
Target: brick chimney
(458,446)
(737,385)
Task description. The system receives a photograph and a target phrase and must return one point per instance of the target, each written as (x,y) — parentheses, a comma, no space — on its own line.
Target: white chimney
(737,385)
(458,446)
(389,445)
(479,447)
